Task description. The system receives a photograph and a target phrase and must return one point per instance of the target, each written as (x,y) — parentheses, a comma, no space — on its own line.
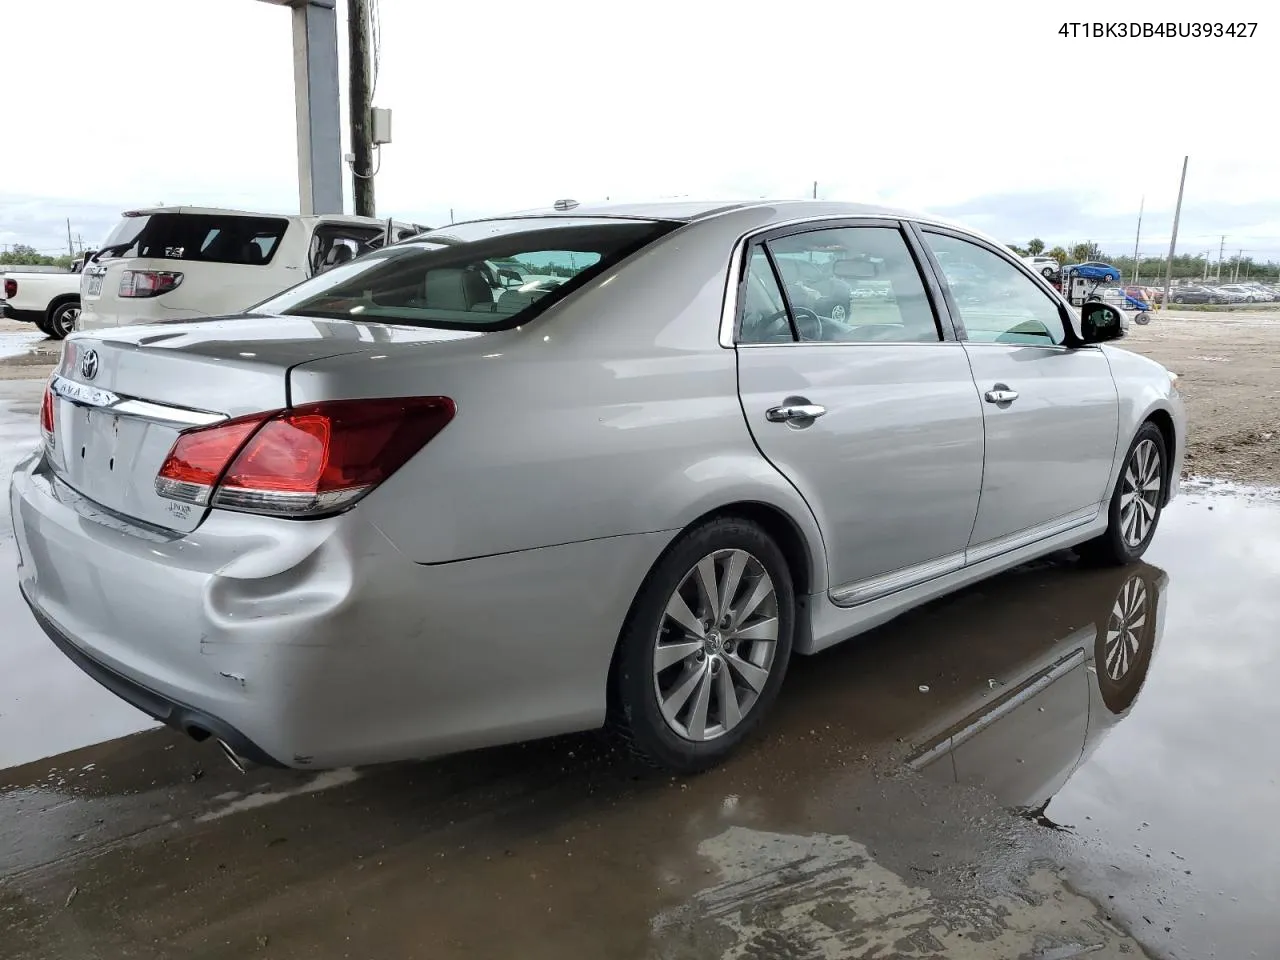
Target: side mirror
(1100,322)
(854,269)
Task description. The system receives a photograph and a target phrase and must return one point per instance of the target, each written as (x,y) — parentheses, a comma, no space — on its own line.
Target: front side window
(486,275)
(996,301)
(854,285)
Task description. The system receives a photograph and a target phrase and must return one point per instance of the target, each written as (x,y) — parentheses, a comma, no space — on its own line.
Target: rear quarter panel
(614,413)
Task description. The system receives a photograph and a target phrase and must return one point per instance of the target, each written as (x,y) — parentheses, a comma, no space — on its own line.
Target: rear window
(208,238)
(487,275)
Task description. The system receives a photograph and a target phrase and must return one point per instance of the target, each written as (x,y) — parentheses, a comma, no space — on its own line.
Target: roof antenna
(563,205)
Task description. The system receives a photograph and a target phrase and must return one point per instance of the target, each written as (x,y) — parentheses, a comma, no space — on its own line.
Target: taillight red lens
(10,288)
(309,460)
(147,283)
(46,412)
(199,457)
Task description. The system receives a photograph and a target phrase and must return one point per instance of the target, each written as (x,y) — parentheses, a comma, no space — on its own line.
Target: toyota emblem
(89,364)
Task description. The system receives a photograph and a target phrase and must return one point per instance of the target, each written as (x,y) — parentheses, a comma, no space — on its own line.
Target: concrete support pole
(315,91)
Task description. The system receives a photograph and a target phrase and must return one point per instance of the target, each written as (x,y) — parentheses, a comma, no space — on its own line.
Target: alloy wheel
(1124,628)
(66,319)
(715,646)
(1140,493)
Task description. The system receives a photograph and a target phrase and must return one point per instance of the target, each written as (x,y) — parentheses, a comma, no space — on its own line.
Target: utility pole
(359,97)
(71,250)
(1235,274)
(1173,240)
(1141,204)
(815,189)
(1217,274)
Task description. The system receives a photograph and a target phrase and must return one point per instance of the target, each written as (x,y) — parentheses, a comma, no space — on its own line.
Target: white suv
(184,263)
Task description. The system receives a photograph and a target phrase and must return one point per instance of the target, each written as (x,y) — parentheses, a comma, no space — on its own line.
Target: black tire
(1113,548)
(43,325)
(1179,300)
(1048,272)
(635,715)
(62,319)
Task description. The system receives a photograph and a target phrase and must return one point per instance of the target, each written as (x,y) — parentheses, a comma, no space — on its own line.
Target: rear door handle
(1001,394)
(790,412)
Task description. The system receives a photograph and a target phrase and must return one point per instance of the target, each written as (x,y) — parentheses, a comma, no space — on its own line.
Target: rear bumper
(23,316)
(317,644)
(179,716)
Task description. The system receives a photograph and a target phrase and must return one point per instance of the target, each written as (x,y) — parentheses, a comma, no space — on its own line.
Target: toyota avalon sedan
(395,512)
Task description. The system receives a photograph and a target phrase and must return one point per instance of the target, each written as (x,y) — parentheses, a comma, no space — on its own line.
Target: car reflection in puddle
(1024,745)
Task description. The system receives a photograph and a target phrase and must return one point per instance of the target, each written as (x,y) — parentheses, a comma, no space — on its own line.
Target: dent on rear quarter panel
(614,413)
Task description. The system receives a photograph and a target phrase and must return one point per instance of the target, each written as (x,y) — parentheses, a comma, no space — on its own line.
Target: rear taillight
(147,283)
(310,460)
(46,414)
(10,288)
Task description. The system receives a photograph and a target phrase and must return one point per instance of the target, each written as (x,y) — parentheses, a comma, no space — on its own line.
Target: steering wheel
(774,326)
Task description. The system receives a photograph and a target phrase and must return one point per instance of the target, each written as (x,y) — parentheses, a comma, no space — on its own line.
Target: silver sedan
(415,506)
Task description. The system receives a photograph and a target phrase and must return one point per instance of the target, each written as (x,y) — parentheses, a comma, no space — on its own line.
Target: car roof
(227,212)
(687,211)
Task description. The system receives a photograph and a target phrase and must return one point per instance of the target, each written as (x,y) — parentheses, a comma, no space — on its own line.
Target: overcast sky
(979,111)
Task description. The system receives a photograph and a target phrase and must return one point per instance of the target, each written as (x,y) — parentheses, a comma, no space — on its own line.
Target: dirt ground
(1228,368)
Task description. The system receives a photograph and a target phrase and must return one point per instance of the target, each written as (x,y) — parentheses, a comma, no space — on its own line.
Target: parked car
(47,299)
(1228,294)
(186,263)
(385,515)
(1047,266)
(1093,270)
(1194,293)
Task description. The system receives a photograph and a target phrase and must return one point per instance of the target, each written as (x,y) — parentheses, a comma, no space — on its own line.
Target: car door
(1050,407)
(874,418)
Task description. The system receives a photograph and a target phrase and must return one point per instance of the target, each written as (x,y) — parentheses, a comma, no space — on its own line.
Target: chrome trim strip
(993,548)
(862,591)
(84,395)
(1019,696)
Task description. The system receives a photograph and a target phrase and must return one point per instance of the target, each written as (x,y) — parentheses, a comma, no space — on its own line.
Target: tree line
(24,256)
(1185,266)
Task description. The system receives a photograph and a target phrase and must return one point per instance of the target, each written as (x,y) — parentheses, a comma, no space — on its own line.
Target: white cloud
(508,105)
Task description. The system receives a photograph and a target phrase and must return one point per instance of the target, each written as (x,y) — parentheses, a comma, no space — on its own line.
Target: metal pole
(71,249)
(315,94)
(815,189)
(1235,274)
(1173,240)
(358,84)
(1217,273)
(1141,204)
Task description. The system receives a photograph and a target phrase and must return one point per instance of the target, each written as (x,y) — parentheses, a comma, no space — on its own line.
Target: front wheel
(1048,272)
(62,319)
(1136,503)
(705,647)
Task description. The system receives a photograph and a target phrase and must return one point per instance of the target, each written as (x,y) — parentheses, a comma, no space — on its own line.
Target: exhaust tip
(237,761)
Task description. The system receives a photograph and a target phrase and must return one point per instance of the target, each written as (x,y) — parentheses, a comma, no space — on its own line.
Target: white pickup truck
(50,300)
(188,263)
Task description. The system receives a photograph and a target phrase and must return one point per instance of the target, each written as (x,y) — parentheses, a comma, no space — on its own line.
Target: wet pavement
(1002,773)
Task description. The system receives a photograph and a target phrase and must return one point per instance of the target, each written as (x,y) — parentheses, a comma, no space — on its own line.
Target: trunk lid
(122,397)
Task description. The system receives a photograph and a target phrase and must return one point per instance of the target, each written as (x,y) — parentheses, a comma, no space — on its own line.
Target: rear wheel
(705,647)
(62,319)
(1136,504)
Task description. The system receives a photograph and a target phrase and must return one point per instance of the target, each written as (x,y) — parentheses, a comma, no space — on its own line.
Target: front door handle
(792,411)
(1001,393)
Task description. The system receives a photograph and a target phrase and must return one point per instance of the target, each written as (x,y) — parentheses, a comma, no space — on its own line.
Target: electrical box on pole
(380,125)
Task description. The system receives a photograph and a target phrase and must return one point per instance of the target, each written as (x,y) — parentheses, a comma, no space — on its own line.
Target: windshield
(487,275)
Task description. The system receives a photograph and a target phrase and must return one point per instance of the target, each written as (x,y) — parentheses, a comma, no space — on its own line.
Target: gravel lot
(1228,366)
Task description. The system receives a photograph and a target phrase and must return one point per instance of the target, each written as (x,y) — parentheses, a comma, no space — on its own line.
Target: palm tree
(1035,247)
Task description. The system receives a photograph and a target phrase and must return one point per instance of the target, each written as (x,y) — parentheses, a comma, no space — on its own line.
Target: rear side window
(207,238)
(488,275)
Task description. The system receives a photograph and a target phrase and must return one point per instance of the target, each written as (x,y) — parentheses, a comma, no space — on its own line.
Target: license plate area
(98,449)
(93,285)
